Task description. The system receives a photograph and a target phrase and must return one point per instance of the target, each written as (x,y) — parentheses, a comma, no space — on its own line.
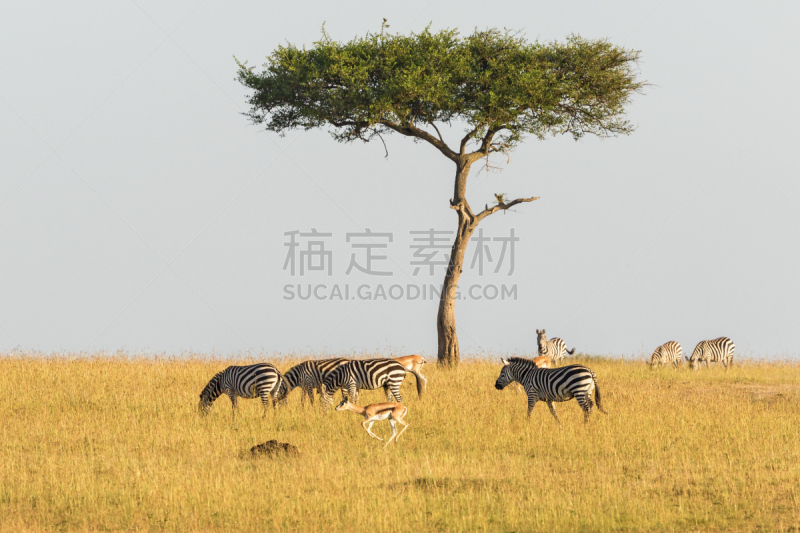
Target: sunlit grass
(112,443)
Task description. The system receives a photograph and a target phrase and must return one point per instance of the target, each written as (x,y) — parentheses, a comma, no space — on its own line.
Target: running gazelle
(552,385)
(716,350)
(392,411)
(259,380)
(668,353)
(553,348)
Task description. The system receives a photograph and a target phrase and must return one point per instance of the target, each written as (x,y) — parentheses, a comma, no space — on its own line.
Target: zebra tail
(597,396)
(572,351)
(419,383)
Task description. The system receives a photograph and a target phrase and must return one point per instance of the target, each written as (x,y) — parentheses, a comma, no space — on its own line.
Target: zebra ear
(505,361)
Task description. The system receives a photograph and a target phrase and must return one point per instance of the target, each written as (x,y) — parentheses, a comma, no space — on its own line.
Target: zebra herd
(715,350)
(264,380)
(538,379)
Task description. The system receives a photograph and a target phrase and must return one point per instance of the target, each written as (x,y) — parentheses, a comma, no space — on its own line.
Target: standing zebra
(554,348)
(716,350)
(261,379)
(366,374)
(552,385)
(669,352)
(309,375)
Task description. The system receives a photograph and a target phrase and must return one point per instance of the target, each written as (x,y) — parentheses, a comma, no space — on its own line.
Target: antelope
(542,361)
(413,364)
(379,411)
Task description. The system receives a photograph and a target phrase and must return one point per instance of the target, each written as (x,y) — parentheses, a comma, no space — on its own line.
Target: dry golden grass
(110,443)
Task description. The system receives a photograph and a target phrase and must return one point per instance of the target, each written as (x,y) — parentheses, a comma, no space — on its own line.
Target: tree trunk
(448,354)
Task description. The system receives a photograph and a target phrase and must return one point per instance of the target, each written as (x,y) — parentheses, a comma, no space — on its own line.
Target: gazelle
(542,362)
(379,411)
(413,364)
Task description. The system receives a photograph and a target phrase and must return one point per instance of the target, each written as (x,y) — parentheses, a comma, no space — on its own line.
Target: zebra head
(330,385)
(541,340)
(506,375)
(697,355)
(210,393)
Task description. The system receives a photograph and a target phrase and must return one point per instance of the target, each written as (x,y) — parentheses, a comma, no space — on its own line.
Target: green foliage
(502,86)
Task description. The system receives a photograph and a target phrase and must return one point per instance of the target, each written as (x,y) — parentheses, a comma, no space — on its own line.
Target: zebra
(553,348)
(309,375)
(720,349)
(261,379)
(669,352)
(366,374)
(552,384)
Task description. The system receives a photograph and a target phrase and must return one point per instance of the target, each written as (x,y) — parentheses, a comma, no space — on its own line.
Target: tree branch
(502,206)
(437,131)
(411,130)
(466,139)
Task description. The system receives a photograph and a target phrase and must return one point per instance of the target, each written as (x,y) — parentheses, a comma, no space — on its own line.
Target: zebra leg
(586,404)
(532,399)
(234,407)
(396,393)
(388,393)
(264,395)
(352,393)
(553,411)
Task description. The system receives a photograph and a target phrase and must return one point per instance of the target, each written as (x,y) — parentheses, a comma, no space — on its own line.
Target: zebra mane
(522,361)
(210,387)
(292,376)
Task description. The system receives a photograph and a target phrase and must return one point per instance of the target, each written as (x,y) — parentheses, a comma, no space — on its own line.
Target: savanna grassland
(115,443)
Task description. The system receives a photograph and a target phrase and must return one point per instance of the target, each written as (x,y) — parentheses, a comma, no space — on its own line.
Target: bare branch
(411,130)
(381,136)
(466,139)
(502,206)
(437,131)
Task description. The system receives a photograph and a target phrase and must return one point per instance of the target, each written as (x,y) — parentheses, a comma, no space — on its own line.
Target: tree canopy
(502,86)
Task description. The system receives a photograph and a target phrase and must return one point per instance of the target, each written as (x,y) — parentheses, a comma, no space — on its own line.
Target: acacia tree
(498,86)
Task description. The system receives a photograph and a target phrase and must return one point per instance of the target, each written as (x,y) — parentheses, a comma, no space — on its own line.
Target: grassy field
(96,443)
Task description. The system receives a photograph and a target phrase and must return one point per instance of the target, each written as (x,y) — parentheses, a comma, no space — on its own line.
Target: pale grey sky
(139,209)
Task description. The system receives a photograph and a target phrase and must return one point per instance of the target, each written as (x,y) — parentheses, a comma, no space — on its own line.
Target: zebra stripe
(364,374)
(552,384)
(553,348)
(668,353)
(251,381)
(716,350)
(309,375)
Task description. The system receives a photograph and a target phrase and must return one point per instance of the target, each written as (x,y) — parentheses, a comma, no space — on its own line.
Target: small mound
(273,448)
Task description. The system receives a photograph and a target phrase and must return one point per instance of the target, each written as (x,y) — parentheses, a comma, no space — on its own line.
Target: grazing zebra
(261,379)
(366,374)
(553,348)
(309,375)
(720,349)
(669,352)
(552,384)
